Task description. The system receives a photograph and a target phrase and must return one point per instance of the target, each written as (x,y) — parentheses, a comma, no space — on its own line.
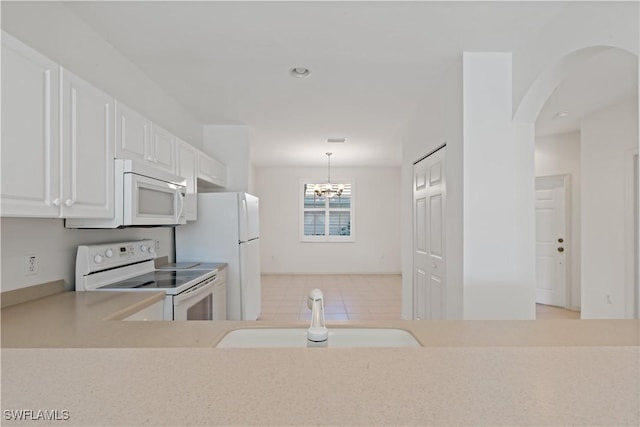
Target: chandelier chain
(327,190)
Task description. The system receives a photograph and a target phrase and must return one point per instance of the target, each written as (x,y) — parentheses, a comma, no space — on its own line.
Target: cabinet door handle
(69,202)
(56,202)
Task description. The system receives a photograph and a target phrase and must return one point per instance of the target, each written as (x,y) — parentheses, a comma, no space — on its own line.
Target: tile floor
(349,297)
(346,297)
(551,312)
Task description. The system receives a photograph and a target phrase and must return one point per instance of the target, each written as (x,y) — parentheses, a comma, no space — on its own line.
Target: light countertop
(63,353)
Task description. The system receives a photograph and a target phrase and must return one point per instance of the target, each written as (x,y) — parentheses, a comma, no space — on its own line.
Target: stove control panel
(91,258)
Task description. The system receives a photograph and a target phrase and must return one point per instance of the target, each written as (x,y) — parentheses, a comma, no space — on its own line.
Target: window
(326,219)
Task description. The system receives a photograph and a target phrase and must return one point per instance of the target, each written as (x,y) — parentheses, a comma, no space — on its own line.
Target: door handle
(180,205)
(560,249)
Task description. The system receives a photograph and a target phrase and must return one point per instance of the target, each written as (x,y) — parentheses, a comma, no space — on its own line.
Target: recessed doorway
(552,240)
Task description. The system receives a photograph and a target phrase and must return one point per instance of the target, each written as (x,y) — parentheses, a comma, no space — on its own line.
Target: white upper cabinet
(87,150)
(186,160)
(137,138)
(133,134)
(30,147)
(163,149)
(57,148)
(60,135)
(211,171)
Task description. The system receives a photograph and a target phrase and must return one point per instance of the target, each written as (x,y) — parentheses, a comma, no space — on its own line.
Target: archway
(608,142)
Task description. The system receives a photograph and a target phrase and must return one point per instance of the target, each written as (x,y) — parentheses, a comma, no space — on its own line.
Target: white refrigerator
(227,230)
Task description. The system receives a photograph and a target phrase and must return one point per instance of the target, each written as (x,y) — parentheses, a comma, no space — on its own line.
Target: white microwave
(144,197)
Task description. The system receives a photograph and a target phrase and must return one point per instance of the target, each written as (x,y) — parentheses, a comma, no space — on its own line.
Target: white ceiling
(371,64)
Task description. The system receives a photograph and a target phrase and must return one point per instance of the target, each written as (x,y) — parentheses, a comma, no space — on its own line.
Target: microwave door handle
(193,292)
(180,204)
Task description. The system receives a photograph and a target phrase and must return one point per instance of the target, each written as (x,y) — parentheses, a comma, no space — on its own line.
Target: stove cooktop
(171,281)
(195,265)
(178,266)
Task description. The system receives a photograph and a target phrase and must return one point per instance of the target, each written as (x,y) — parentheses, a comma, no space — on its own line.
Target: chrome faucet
(317,332)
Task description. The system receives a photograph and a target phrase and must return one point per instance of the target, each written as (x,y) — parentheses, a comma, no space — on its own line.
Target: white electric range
(130,266)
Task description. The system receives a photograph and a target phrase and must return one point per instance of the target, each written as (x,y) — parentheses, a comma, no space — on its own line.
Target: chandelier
(328,189)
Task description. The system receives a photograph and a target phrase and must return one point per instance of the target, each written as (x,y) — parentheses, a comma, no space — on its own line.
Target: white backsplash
(55,248)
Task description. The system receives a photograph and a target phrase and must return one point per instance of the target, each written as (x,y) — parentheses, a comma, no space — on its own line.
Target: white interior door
(551,240)
(428,237)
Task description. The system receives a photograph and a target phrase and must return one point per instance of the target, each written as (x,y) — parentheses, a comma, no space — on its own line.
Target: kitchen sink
(297,337)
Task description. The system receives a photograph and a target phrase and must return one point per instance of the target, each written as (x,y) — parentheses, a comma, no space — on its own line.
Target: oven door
(195,303)
(149,201)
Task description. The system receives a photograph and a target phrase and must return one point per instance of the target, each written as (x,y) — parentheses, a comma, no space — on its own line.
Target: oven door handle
(194,291)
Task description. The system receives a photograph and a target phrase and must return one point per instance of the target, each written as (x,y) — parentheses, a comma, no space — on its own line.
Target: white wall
(55,31)
(377,222)
(560,155)
(52,29)
(499,240)
(608,140)
(230,145)
(56,247)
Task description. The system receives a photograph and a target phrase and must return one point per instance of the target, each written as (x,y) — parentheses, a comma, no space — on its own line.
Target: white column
(498,201)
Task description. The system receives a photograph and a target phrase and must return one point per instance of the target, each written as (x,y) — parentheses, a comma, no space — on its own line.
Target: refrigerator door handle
(243,221)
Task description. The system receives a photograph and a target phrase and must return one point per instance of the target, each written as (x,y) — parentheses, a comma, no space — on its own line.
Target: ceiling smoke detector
(300,72)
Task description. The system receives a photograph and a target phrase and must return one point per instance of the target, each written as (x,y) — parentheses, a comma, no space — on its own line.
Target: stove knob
(152,249)
(108,253)
(143,248)
(97,259)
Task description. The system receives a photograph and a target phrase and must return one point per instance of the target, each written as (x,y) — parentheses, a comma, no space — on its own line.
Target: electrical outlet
(31,265)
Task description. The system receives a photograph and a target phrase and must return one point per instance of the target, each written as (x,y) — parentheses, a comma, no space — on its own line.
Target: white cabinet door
(163,149)
(87,149)
(211,170)
(137,138)
(133,133)
(186,161)
(30,146)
